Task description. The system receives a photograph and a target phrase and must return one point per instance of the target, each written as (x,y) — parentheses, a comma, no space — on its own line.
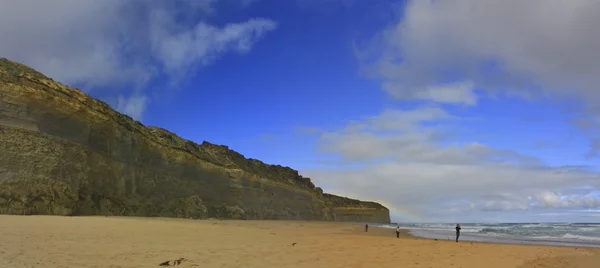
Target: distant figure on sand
(398,232)
(366,227)
(457,232)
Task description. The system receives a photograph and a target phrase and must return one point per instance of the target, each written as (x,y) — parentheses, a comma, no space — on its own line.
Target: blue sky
(304,74)
(441,110)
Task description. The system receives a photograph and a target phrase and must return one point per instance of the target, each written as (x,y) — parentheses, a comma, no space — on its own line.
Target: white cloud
(532,42)
(178,51)
(525,48)
(452,93)
(403,135)
(503,205)
(556,200)
(120,43)
(133,106)
(428,179)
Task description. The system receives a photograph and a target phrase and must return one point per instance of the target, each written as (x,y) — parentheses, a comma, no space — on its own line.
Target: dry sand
(48,241)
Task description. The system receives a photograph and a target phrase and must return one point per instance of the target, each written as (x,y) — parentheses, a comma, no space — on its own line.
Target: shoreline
(406,233)
(571,262)
(512,240)
(98,241)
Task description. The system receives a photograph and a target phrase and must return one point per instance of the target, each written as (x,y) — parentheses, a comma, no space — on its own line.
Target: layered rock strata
(65,153)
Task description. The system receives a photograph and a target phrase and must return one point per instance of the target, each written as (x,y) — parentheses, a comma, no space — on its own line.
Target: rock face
(65,153)
(346,209)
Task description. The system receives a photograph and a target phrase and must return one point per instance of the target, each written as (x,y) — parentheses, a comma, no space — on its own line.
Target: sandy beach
(49,241)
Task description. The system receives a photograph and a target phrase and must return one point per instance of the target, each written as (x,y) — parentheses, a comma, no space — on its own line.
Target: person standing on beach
(457,232)
(366,227)
(398,232)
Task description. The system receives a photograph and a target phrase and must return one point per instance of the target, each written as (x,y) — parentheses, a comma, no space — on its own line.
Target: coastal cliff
(347,209)
(65,153)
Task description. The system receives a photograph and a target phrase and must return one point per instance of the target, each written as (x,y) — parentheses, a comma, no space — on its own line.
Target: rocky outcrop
(346,209)
(65,153)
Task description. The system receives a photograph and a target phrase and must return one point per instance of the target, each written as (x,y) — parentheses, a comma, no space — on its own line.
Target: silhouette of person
(366,227)
(398,232)
(457,232)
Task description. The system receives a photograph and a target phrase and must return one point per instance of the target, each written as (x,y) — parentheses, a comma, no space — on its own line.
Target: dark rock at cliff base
(65,153)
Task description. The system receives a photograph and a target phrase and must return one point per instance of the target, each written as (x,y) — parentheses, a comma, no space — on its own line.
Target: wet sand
(49,241)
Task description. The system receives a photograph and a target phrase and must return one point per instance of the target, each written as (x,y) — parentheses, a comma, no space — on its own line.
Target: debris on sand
(173,262)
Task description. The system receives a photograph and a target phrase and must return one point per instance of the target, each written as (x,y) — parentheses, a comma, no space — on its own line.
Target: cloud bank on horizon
(427,155)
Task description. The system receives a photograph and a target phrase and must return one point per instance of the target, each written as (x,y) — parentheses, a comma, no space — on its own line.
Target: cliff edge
(65,153)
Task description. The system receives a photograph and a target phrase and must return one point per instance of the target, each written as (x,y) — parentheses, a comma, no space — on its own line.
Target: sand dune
(48,241)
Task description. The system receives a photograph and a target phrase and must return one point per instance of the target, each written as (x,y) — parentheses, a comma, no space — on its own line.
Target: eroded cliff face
(347,209)
(65,153)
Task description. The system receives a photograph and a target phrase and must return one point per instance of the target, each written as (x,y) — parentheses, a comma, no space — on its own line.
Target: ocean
(562,234)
